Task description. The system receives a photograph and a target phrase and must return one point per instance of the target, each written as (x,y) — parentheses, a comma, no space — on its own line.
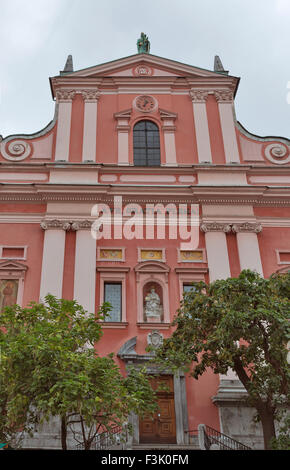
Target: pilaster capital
(247,227)
(224,96)
(55,224)
(81,225)
(90,96)
(198,96)
(64,95)
(215,227)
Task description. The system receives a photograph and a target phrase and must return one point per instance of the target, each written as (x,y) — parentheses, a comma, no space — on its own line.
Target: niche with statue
(153,303)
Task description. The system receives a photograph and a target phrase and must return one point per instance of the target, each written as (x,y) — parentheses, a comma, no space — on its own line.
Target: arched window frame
(158,127)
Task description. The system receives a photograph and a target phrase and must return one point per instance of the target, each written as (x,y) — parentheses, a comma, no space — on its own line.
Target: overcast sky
(251,37)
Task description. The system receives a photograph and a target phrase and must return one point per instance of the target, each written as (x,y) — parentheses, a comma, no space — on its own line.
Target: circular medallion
(142,71)
(145,103)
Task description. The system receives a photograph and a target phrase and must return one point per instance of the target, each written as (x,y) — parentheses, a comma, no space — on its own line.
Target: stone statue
(152,307)
(143,44)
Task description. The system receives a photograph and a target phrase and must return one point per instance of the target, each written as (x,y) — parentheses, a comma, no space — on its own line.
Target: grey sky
(251,36)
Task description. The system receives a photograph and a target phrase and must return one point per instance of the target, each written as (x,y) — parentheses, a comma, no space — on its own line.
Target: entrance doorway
(161,427)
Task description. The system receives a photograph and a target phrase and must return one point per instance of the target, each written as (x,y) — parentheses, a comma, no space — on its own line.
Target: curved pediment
(152,267)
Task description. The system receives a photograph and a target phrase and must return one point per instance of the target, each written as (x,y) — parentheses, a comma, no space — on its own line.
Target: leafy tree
(240,323)
(49,367)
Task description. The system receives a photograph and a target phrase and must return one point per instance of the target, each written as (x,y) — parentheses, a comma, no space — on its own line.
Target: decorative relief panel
(191,256)
(142,71)
(155,338)
(155,255)
(110,254)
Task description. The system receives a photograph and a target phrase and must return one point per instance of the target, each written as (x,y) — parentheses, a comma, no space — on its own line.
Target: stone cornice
(250,195)
(22,218)
(256,168)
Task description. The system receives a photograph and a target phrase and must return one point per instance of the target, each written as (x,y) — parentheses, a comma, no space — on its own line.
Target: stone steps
(165,447)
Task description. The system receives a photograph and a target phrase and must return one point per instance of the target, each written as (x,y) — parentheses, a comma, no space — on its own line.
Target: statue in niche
(152,306)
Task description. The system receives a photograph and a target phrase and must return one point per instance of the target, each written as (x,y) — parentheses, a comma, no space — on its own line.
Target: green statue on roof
(143,44)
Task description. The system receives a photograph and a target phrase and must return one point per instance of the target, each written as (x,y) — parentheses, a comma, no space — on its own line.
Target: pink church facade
(138,132)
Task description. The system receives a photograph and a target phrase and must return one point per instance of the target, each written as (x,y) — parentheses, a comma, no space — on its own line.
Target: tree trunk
(87,444)
(63,433)
(265,411)
(268,425)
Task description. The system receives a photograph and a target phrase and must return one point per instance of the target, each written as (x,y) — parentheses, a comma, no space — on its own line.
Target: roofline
(142,56)
(266,138)
(62,74)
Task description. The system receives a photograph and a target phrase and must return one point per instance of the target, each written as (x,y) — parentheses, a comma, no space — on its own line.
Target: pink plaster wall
(270,239)
(30,235)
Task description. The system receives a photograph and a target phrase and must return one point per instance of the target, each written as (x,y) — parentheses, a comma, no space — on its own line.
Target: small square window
(188,288)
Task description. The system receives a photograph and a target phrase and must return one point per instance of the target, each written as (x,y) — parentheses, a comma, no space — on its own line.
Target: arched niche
(152,274)
(153,288)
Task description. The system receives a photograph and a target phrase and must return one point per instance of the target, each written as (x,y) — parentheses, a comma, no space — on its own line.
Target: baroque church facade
(138,134)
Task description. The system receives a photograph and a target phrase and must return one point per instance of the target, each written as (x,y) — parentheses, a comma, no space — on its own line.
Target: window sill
(150,326)
(117,324)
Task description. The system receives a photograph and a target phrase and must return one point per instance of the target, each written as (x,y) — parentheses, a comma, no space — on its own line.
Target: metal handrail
(107,439)
(210,439)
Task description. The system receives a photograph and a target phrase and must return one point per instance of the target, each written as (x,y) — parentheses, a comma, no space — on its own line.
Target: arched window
(146,144)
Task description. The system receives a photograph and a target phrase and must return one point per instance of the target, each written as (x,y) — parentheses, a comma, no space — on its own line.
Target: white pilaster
(216,249)
(90,124)
(218,261)
(169,143)
(64,99)
(123,129)
(85,266)
(123,145)
(201,125)
(53,258)
(248,246)
(225,104)
(169,128)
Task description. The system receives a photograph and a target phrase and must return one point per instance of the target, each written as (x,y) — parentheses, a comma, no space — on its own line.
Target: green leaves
(240,323)
(48,368)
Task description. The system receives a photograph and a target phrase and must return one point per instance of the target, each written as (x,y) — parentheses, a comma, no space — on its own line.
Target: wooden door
(160,428)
